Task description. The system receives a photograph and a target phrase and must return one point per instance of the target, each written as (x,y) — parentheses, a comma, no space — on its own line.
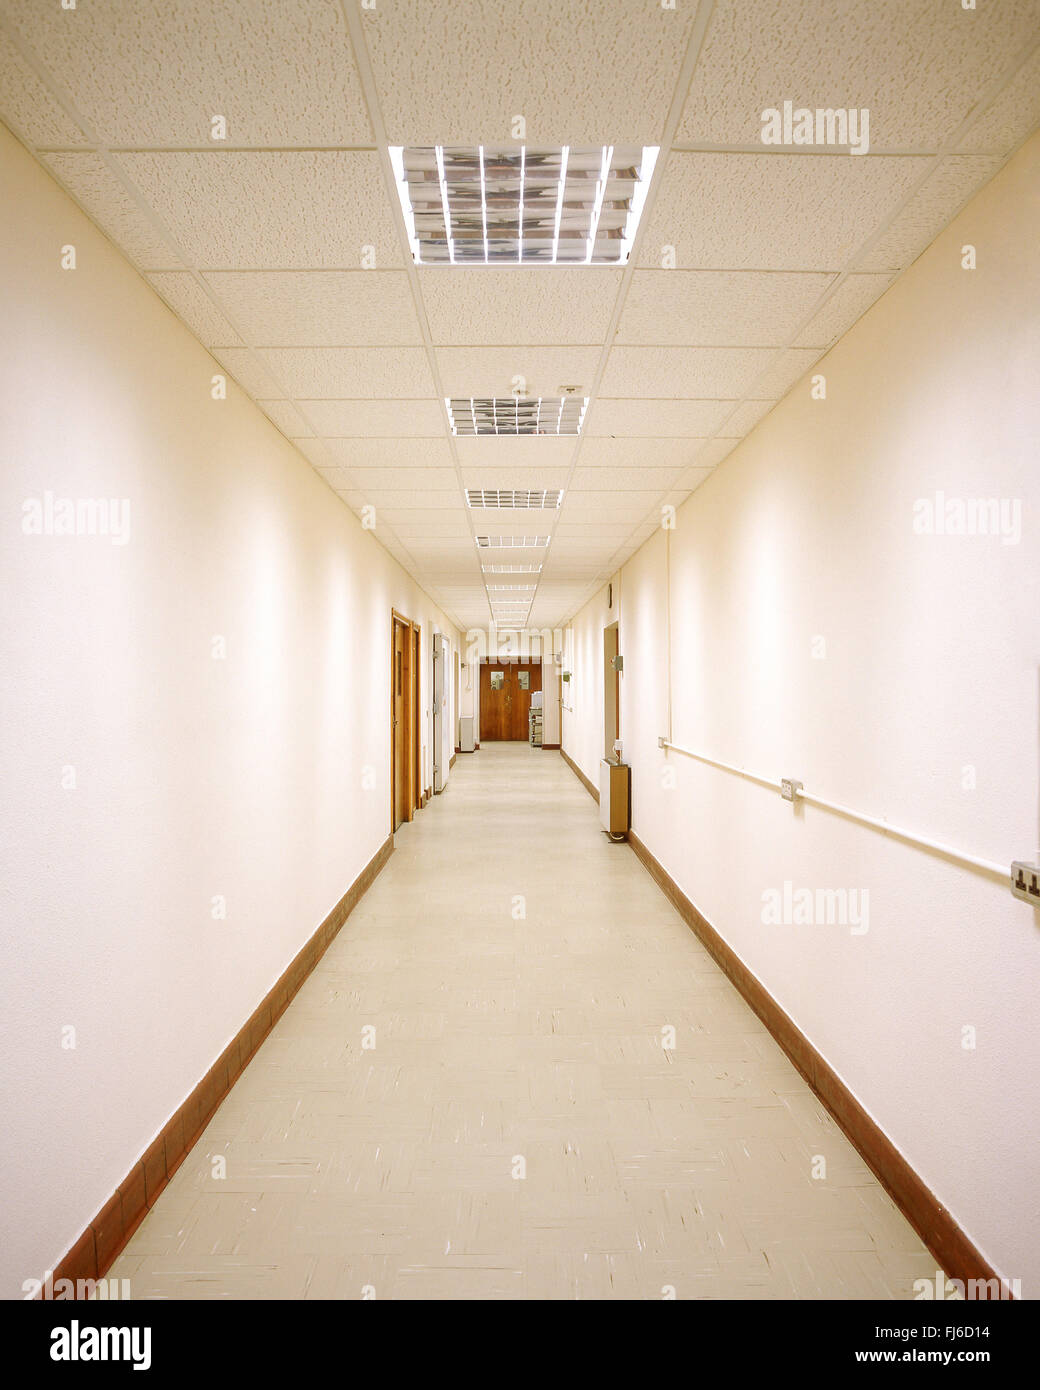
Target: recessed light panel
(510,415)
(511,569)
(502,205)
(512,542)
(524,499)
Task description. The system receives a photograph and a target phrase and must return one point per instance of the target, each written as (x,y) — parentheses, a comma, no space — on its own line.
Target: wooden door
(399,702)
(505,698)
(417,787)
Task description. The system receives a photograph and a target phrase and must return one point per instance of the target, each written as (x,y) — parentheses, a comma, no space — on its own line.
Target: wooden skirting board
(592,791)
(954,1252)
(92,1254)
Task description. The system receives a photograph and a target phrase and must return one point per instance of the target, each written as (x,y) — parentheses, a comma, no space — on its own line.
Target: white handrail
(973,861)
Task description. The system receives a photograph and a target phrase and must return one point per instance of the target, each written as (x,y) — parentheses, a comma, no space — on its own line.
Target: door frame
(410,680)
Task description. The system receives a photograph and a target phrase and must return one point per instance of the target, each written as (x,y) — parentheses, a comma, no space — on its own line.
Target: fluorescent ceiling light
(493,205)
(512,542)
(511,569)
(470,415)
(537,499)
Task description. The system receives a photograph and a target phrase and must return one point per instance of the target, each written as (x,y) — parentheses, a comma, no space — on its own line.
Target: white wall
(930,670)
(194,777)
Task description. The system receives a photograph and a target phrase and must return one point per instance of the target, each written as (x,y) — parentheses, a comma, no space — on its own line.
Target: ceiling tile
(104,198)
(493,371)
(1011,116)
(723,373)
(410,522)
(714,452)
(281,71)
(481,64)
(189,301)
(340,372)
(319,308)
(263,210)
(850,301)
(389,499)
(636,456)
(671,418)
(614,529)
(606,505)
(692,478)
(315,452)
(393,453)
(785,369)
(250,372)
(28,107)
(514,451)
(758,52)
(514,520)
(285,416)
(527,304)
(745,418)
(724,308)
(773,211)
(403,478)
(339,479)
(514,477)
(590,550)
(929,211)
(623,479)
(377,419)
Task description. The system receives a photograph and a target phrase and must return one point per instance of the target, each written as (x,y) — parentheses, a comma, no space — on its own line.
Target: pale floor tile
(531,1045)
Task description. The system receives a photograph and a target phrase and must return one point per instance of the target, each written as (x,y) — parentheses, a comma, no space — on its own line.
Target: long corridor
(472,1097)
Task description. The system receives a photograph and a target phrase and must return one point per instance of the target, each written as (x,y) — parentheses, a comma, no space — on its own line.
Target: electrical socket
(789,788)
(1025,882)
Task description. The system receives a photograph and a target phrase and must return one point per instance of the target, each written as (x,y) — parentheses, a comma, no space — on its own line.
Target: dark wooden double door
(506,688)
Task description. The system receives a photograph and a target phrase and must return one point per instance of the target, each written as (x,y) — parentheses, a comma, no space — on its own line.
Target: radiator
(614,796)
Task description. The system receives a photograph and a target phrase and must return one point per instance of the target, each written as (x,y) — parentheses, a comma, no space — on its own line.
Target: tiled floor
(520,1036)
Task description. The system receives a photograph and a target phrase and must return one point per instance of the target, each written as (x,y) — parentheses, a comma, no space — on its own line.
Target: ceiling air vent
(501,205)
(526,499)
(513,415)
